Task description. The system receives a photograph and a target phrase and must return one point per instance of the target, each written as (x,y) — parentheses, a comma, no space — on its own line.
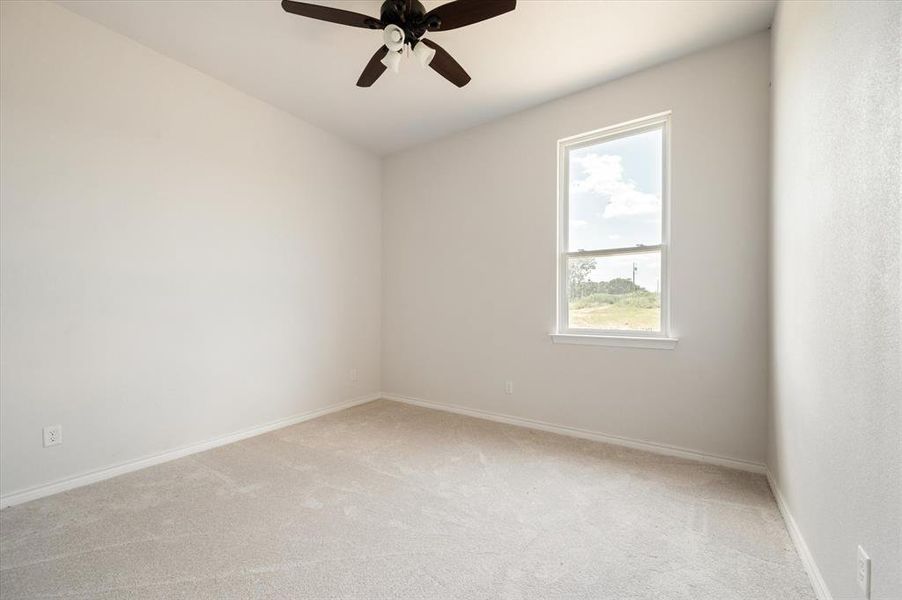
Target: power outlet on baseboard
(53,435)
(353,376)
(508,387)
(863,572)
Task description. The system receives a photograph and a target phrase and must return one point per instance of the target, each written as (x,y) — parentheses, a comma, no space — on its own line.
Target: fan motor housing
(402,11)
(406,14)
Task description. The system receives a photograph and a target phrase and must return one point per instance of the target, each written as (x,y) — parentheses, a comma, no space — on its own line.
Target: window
(613,235)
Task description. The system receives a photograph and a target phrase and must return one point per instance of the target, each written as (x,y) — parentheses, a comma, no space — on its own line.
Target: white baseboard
(814,574)
(141,463)
(134,465)
(667,450)
(817,581)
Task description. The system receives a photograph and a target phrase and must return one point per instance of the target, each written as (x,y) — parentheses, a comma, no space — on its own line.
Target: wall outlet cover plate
(53,435)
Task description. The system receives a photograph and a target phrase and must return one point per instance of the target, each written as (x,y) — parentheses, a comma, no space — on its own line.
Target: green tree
(578,272)
(621,285)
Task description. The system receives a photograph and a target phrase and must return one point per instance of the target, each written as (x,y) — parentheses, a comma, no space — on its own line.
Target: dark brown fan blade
(373,69)
(446,66)
(465,12)
(333,15)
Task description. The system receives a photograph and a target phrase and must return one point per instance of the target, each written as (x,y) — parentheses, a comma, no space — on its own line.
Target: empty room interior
(451,299)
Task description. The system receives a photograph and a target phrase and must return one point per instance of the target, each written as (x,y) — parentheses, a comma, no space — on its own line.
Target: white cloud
(604,175)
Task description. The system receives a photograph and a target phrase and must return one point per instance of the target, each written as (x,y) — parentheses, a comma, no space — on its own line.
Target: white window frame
(613,337)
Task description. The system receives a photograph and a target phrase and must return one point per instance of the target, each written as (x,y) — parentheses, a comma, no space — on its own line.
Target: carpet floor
(387,500)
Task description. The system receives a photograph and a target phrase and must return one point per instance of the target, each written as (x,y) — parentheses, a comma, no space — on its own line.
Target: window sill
(660,343)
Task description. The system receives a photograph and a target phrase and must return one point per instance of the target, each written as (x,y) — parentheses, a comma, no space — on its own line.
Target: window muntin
(613,235)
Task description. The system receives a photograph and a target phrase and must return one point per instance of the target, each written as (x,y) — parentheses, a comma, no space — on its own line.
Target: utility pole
(635,268)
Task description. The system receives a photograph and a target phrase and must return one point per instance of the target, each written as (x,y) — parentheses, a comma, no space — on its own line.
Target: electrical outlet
(863,572)
(53,435)
(353,376)
(508,387)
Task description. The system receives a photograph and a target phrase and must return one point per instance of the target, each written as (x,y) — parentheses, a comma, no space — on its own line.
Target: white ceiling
(543,50)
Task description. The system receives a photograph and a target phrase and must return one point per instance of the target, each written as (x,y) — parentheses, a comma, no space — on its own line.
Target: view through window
(613,234)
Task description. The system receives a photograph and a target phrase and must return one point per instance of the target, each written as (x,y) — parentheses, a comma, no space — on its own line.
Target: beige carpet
(392,501)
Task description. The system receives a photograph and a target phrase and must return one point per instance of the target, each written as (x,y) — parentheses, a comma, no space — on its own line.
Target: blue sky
(615,202)
(615,193)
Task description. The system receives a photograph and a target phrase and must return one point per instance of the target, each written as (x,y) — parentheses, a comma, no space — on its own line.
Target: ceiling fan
(403,24)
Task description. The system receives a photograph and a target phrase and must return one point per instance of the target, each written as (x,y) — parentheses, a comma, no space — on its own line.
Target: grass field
(637,312)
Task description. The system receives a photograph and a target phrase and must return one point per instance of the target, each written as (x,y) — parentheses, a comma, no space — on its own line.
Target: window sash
(638,126)
(564,298)
(640,249)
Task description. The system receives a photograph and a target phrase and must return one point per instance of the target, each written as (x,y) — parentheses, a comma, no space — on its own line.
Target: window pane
(615,292)
(615,193)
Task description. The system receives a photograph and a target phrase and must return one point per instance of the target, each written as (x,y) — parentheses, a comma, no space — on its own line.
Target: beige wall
(835,430)
(469,265)
(178,261)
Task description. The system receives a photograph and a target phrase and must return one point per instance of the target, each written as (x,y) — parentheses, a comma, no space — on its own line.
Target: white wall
(836,437)
(179,260)
(469,265)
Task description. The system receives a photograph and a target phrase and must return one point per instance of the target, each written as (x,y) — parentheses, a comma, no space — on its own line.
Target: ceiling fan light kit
(424,54)
(403,24)
(392,61)
(393,37)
